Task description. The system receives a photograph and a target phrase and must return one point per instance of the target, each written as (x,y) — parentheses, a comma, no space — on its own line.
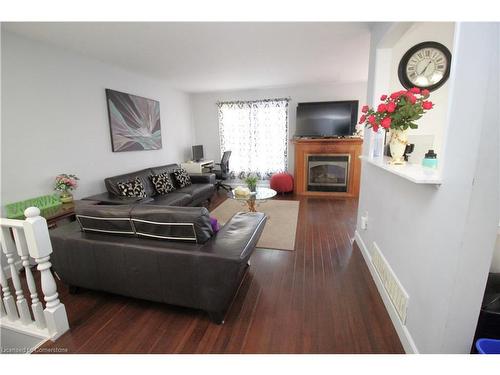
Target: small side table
(60,215)
(65,213)
(57,215)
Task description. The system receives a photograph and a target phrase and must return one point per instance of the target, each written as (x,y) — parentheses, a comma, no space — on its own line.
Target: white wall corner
(481,219)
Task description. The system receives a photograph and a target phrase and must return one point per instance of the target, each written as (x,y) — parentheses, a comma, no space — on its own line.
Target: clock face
(426,65)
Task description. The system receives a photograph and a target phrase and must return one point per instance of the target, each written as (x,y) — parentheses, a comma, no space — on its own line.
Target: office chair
(222,174)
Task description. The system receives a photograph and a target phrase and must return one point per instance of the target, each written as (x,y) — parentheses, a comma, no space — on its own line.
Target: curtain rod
(252,101)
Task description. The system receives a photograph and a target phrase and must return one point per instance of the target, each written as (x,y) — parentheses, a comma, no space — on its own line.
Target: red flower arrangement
(399,110)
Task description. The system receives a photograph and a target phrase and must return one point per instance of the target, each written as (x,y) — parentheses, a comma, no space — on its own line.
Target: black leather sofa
(157,253)
(201,189)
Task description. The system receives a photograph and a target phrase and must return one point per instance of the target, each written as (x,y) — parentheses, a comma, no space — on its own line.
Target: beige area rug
(281,225)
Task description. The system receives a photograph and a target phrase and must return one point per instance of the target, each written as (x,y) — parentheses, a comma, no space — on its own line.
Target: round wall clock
(425,65)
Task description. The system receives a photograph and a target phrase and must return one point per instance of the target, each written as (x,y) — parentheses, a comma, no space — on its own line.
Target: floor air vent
(395,290)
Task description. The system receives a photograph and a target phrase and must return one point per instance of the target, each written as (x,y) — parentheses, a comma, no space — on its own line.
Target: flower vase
(397,145)
(66,197)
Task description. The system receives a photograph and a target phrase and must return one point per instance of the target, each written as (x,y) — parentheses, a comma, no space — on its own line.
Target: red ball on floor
(282,182)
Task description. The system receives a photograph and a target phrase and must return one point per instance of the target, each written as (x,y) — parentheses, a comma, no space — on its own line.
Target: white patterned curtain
(256,132)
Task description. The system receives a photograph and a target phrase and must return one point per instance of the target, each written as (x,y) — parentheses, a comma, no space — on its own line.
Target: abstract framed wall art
(134,122)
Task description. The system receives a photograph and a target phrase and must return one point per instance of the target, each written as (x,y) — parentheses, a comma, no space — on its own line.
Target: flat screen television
(197,152)
(326,119)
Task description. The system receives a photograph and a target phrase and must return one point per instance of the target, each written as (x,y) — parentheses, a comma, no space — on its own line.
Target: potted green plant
(251,182)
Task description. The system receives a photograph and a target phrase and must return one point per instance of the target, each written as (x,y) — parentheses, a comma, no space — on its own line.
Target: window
(256,132)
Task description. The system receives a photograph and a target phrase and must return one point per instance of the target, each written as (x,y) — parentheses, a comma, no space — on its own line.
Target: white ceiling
(197,57)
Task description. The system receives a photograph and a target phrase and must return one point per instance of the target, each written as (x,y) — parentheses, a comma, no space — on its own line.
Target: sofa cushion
(162,183)
(112,182)
(203,178)
(168,168)
(108,198)
(112,219)
(197,190)
(182,177)
(132,188)
(172,199)
(190,224)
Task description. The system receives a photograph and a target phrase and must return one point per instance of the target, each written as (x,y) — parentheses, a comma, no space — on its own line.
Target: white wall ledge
(415,173)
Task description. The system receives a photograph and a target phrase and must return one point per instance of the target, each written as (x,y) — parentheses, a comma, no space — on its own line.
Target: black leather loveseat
(158,253)
(200,190)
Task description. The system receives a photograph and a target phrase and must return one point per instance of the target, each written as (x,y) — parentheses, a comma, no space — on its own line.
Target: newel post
(40,248)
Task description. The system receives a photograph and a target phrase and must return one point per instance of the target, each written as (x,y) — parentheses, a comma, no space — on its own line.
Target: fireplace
(327,166)
(328,173)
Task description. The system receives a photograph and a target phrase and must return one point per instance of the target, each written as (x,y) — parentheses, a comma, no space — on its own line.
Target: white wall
(439,241)
(495,262)
(55,120)
(206,121)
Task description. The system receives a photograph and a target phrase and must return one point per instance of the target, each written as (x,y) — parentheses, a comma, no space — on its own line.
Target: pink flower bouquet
(66,182)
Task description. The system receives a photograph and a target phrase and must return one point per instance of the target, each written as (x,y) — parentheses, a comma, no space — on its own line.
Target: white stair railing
(8,300)
(25,239)
(36,305)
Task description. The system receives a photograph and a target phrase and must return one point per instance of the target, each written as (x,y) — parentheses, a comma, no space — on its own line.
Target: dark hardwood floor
(319,298)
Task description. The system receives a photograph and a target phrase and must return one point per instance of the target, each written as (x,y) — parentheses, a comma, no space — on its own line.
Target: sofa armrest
(108,198)
(237,239)
(202,178)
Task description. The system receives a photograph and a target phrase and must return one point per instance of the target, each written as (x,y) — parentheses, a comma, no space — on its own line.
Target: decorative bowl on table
(241,192)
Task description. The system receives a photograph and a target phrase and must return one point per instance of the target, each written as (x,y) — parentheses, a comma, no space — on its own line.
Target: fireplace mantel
(305,147)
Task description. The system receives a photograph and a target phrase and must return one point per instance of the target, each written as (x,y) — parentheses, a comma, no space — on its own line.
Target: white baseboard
(403,333)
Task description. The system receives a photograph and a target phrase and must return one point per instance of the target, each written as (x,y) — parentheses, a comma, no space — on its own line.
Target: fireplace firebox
(328,173)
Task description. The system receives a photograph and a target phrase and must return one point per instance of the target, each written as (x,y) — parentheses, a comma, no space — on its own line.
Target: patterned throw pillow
(182,177)
(162,183)
(132,188)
